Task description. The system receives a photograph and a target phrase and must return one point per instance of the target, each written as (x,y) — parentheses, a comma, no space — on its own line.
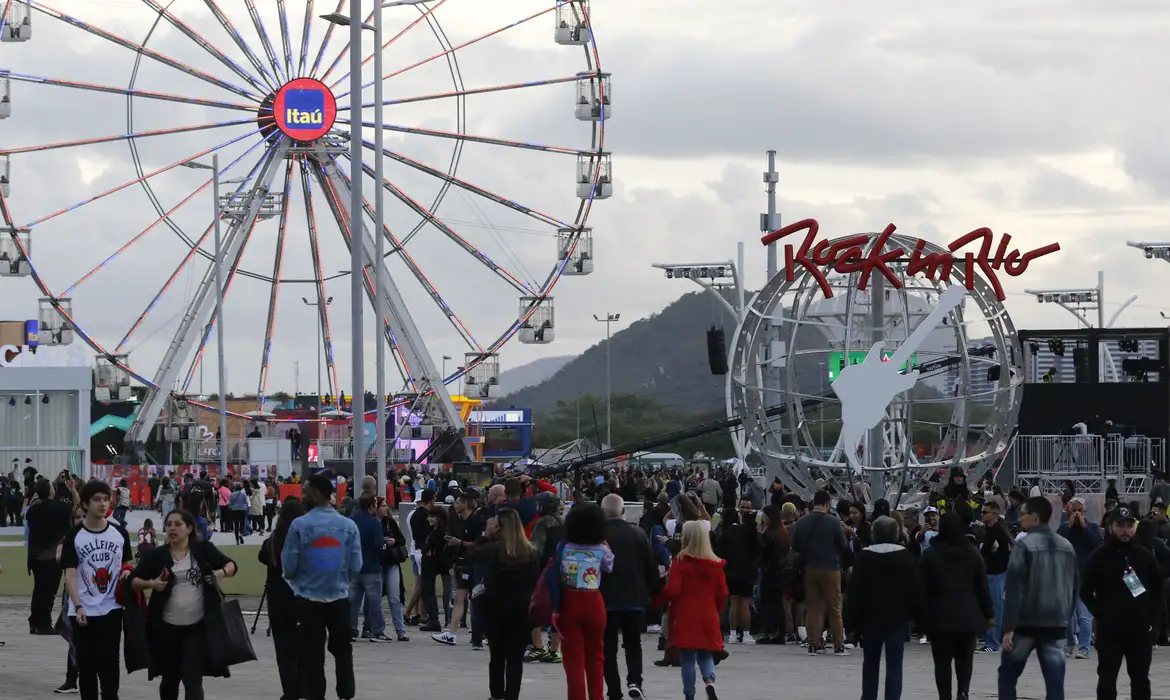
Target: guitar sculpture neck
(948,300)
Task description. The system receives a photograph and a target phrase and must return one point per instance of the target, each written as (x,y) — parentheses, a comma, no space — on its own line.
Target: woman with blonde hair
(697,591)
(513,568)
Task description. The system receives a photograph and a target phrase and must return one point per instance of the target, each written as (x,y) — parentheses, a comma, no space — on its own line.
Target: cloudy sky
(1046,120)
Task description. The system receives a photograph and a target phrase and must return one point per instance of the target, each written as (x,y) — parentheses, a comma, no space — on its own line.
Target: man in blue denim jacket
(1039,594)
(322,554)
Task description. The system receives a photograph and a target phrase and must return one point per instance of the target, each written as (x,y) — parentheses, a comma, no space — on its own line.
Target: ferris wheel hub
(303,109)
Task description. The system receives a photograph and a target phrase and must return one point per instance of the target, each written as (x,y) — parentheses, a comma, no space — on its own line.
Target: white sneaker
(444,638)
(653,629)
(731,638)
(923,640)
(635,692)
(747,638)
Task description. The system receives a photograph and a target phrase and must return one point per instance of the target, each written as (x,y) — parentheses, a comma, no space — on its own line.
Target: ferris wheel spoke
(137,180)
(241,44)
(325,42)
(475,189)
(341,217)
(195,247)
(506,143)
(206,45)
(513,280)
(470,91)
(322,299)
(306,37)
(265,41)
(285,39)
(156,222)
(424,15)
(123,137)
(397,247)
(145,94)
(278,260)
(142,50)
(464,45)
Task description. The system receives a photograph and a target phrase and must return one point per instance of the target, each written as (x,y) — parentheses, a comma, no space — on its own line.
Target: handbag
(228,640)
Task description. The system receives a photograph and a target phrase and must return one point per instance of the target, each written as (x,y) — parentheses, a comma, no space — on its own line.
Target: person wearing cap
(929,527)
(322,554)
(1122,587)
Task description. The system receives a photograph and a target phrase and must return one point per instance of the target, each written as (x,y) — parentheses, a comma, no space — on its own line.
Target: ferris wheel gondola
(286,149)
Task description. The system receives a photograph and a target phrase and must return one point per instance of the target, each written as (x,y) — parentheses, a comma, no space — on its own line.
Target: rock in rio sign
(847,255)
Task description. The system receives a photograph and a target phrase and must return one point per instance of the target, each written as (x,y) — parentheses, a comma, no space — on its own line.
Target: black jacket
(1105,594)
(208,558)
(996,548)
(884,588)
(739,545)
(48,523)
(635,571)
(955,583)
(775,563)
(508,583)
(282,602)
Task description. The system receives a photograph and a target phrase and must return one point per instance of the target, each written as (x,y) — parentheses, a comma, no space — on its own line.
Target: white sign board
(44,356)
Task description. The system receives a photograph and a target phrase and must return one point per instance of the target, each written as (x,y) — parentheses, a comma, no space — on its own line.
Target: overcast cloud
(1046,121)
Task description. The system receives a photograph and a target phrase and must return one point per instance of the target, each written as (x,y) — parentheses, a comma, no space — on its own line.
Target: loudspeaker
(717,351)
(1081,365)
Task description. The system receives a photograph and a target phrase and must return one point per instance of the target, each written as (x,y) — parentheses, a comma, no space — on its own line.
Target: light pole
(821,372)
(317,305)
(354,21)
(446,359)
(214,168)
(610,318)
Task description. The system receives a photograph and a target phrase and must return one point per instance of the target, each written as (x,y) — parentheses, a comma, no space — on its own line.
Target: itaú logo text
(295,117)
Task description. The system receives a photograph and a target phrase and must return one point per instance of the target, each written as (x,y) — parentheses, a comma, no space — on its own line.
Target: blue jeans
(368,586)
(995,583)
(690,657)
(1080,627)
(1049,653)
(391,581)
(874,638)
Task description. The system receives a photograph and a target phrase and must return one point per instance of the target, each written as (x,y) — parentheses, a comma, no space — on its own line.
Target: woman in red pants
(580,561)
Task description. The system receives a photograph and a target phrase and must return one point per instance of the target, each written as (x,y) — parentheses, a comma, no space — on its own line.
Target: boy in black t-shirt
(92,556)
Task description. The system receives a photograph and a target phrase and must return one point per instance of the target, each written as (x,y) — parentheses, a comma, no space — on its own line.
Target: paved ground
(30,667)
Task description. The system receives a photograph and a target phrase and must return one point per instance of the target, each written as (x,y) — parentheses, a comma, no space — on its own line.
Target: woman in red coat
(696,591)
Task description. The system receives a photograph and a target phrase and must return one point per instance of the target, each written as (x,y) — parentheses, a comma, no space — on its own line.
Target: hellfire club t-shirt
(98,558)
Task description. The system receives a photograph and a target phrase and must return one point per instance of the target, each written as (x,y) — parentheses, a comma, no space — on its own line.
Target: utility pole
(770,221)
(610,319)
(219,318)
(357,266)
(380,310)
(297,377)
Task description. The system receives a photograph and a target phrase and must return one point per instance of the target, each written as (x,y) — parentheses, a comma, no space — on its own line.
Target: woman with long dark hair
(183,576)
(958,604)
(513,567)
(393,555)
(577,567)
(282,613)
(775,573)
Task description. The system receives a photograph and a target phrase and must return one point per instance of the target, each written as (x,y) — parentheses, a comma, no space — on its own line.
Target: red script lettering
(847,255)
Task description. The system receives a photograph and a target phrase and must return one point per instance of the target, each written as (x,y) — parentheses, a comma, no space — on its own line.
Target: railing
(1089,461)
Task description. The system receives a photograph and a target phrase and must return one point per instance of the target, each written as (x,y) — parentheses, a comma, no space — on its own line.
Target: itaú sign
(42,356)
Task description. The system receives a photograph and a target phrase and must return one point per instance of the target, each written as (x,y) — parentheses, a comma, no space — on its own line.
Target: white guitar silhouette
(866,389)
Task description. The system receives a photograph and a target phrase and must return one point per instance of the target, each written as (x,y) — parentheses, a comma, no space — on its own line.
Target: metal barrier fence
(1090,462)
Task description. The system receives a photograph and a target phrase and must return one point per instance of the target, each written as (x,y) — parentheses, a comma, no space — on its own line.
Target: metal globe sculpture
(953,398)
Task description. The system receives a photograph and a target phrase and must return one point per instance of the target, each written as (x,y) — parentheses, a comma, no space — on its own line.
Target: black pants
(238,518)
(772,609)
(269,514)
(46,582)
(956,648)
(317,621)
(183,659)
(430,599)
(627,623)
(506,643)
(99,659)
(287,645)
(1135,648)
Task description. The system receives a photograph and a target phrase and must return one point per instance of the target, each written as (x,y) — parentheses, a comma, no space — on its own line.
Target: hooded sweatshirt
(884,588)
(955,582)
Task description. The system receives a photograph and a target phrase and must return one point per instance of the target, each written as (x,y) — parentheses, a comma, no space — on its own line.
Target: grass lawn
(248,581)
(11,538)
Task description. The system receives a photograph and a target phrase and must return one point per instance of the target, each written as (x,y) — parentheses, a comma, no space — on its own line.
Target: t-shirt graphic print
(98,558)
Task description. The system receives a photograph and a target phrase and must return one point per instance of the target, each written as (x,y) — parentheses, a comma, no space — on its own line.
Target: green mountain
(663,357)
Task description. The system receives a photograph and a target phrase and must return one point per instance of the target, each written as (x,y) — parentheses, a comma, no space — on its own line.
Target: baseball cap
(930,509)
(1122,513)
(452,484)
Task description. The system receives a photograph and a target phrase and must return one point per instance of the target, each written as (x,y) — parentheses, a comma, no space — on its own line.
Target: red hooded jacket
(696,591)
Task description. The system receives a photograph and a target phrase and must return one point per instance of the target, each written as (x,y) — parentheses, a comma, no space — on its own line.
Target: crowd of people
(554,571)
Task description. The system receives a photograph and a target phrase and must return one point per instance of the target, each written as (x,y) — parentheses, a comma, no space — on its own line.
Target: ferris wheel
(261,87)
